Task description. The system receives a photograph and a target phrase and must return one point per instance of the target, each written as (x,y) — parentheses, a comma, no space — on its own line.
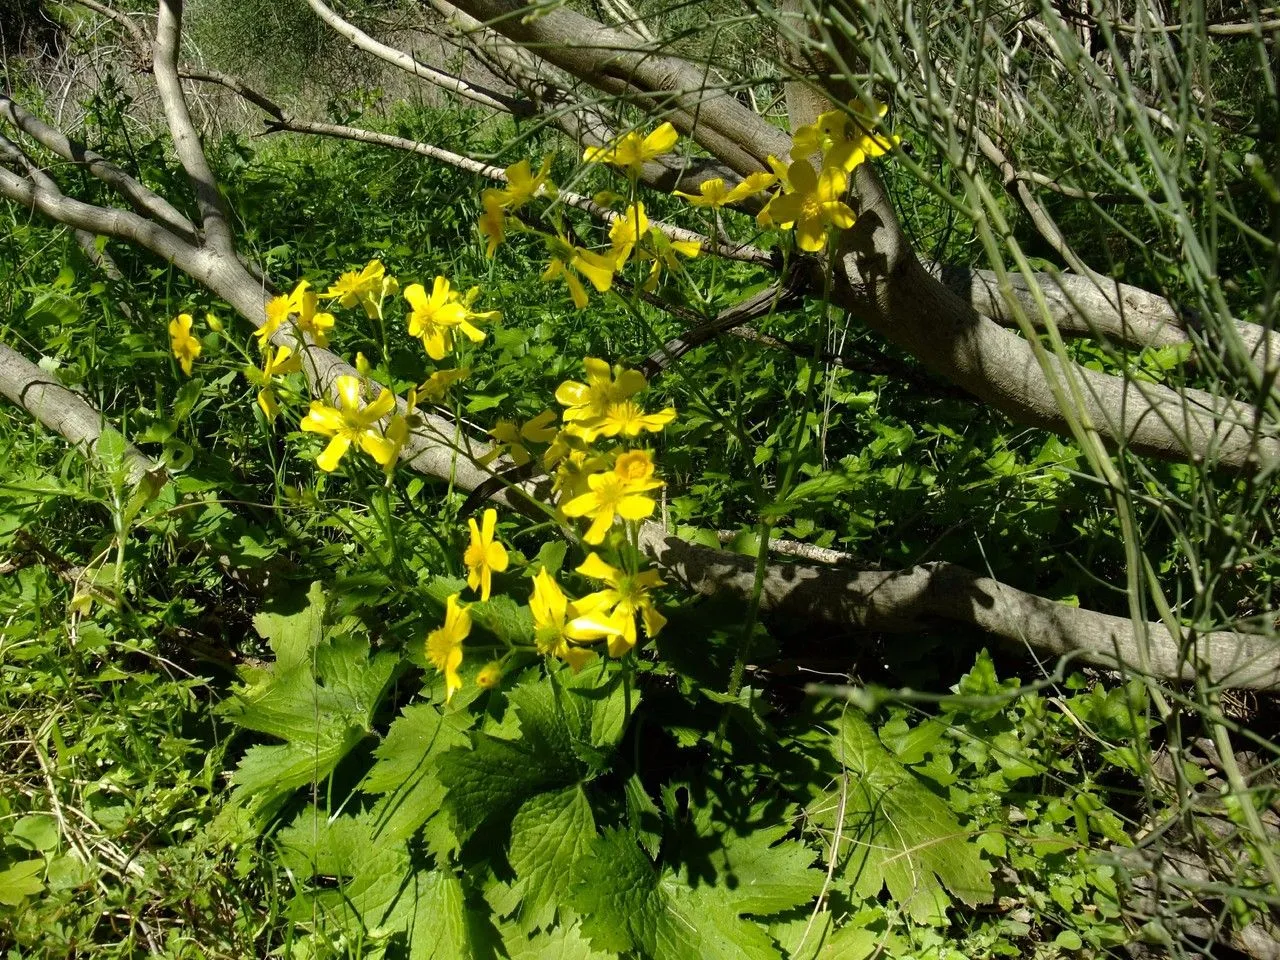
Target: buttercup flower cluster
(807,200)
(599,477)
(603,477)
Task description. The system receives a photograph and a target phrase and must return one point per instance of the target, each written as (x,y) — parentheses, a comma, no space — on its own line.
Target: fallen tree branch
(65,412)
(890,601)
(143,200)
(616,63)
(881,281)
(904,601)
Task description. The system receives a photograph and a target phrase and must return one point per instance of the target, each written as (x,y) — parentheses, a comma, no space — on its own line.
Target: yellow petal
(347,389)
(801,177)
(385,403)
(597,569)
(811,234)
(596,267)
(416,295)
(599,527)
(267,401)
(581,505)
(832,183)
(635,507)
(380,448)
(322,419)
(577,292)
(660,141)
(333,453)
(839,214)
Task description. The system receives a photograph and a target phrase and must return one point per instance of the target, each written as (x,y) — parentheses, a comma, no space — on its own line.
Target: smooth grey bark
(63,411)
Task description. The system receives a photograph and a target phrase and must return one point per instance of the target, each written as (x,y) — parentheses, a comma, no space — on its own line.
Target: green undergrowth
(222,738)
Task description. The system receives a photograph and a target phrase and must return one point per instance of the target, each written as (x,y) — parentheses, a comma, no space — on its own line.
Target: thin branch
(781,296)
(281,120)
(397,58)
(144,200)
(214,218)
(132,26)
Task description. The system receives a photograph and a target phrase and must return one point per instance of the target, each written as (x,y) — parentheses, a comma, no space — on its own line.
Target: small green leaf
(110,449)
(20,881)
(36,831)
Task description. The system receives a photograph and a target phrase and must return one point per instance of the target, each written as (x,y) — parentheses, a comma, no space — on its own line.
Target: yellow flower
(436,319)
(397,433)
(435,386)
(349,423)
(509,438)
(538,429)
(444,645)
(312,322)
(831,136)
(617,492)
(814,202)
(185,347)
(485,556)
(633,151)
(568,261)
(662,251)
(712,193)
(213,322)
(275,363)
(574,467)
(624,597)
(556,622)
(490,675)
(523,185)
(604,387)
(845,138)
(627,419)
(278,310)
(364,288)
(628,230)
(493,222)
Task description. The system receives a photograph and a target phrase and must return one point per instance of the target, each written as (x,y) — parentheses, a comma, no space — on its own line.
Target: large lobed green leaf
(319,698)
(896,832)
(628,905)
